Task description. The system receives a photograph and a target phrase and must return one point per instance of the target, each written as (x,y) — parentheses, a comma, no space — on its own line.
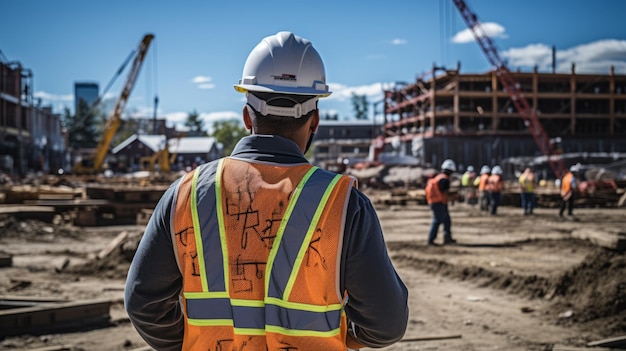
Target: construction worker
(481,184)
(467,183)
(437,189)
(261,250)
(569,188)
(495,184)
(527,190)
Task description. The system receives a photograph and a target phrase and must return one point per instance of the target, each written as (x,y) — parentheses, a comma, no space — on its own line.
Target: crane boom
(512,88)
(114,120)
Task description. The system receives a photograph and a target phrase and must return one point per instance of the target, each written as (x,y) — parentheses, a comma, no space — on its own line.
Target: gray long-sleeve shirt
(377,297)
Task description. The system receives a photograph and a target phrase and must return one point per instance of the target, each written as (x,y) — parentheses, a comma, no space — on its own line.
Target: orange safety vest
(259,249)
(566,186)
(495,183)
(433,194)
(483,181)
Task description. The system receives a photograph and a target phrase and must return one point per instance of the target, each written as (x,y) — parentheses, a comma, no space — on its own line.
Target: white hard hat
(485,169)
(286,64)
(496,170)
(470,168)
(448,165)
(575,168)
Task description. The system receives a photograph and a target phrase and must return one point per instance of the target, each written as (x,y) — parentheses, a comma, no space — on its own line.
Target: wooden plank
(432,337)
(573,348)
(112,245)
(617,342)
(51,317)
(54,348)
(22,209)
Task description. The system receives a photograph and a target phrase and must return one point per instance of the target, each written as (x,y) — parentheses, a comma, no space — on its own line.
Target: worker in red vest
(437,189)
(262,250)
(569,189)
(495,184)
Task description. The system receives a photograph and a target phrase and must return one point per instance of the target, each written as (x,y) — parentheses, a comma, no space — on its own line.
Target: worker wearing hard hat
(569,188)
(481,183)
(261,250)
(467,183)
(495,184)
(437,189)
(527,190)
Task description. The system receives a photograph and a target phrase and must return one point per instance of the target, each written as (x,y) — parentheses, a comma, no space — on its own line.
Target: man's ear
(315,121)
(247,120)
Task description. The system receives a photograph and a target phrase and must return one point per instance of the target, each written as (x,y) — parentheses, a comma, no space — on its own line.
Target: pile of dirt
(35,230)
(591,294)
(595,292)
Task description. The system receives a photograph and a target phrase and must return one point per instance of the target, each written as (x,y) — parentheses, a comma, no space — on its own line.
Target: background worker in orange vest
(569,188)
(437,189)
(527,190)
(495,183)
(261,250)
(481,183)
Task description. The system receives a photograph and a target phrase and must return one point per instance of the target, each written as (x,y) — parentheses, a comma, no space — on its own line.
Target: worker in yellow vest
(569,188)
(261,250)
(437,189)
(467,183)
(527,190)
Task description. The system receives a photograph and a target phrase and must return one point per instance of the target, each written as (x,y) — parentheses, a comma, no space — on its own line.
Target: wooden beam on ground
(432,337)
(574,348)
(54,317)
(112,245)
(616,342)
(54,348)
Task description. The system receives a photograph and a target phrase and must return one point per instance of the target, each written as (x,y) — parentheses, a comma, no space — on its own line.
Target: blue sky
(200,46)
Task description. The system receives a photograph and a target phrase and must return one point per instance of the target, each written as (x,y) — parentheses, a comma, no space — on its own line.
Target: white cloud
(344,93)
(47,97)
(206,86)
(177,119)
(203,82)
(399,41)
(201,79)
(594,57)
(491,29)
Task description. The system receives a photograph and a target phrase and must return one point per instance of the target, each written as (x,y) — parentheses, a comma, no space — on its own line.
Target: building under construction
(471,118)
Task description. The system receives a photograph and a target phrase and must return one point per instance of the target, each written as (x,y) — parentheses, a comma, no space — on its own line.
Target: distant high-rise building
(86,91)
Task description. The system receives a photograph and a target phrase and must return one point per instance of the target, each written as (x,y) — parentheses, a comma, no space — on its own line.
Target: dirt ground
(512,282)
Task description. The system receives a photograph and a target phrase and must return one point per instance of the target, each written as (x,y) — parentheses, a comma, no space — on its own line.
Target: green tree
(83,128)
(195,124)
(228,133)
(360,105)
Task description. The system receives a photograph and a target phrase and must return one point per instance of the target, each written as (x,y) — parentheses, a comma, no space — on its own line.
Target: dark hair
(279,125)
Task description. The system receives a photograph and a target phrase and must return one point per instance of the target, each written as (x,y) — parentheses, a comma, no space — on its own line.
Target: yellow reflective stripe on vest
(295,224)
(196,227)
(215,308)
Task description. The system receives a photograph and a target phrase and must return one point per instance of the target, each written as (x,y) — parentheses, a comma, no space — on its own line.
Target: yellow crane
(95,163)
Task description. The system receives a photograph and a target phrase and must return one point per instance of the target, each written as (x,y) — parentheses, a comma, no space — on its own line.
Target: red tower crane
(512,88)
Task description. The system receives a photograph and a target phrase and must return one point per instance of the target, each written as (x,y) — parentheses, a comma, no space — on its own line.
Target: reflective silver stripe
(257,317)
(210,232)
(296,230)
